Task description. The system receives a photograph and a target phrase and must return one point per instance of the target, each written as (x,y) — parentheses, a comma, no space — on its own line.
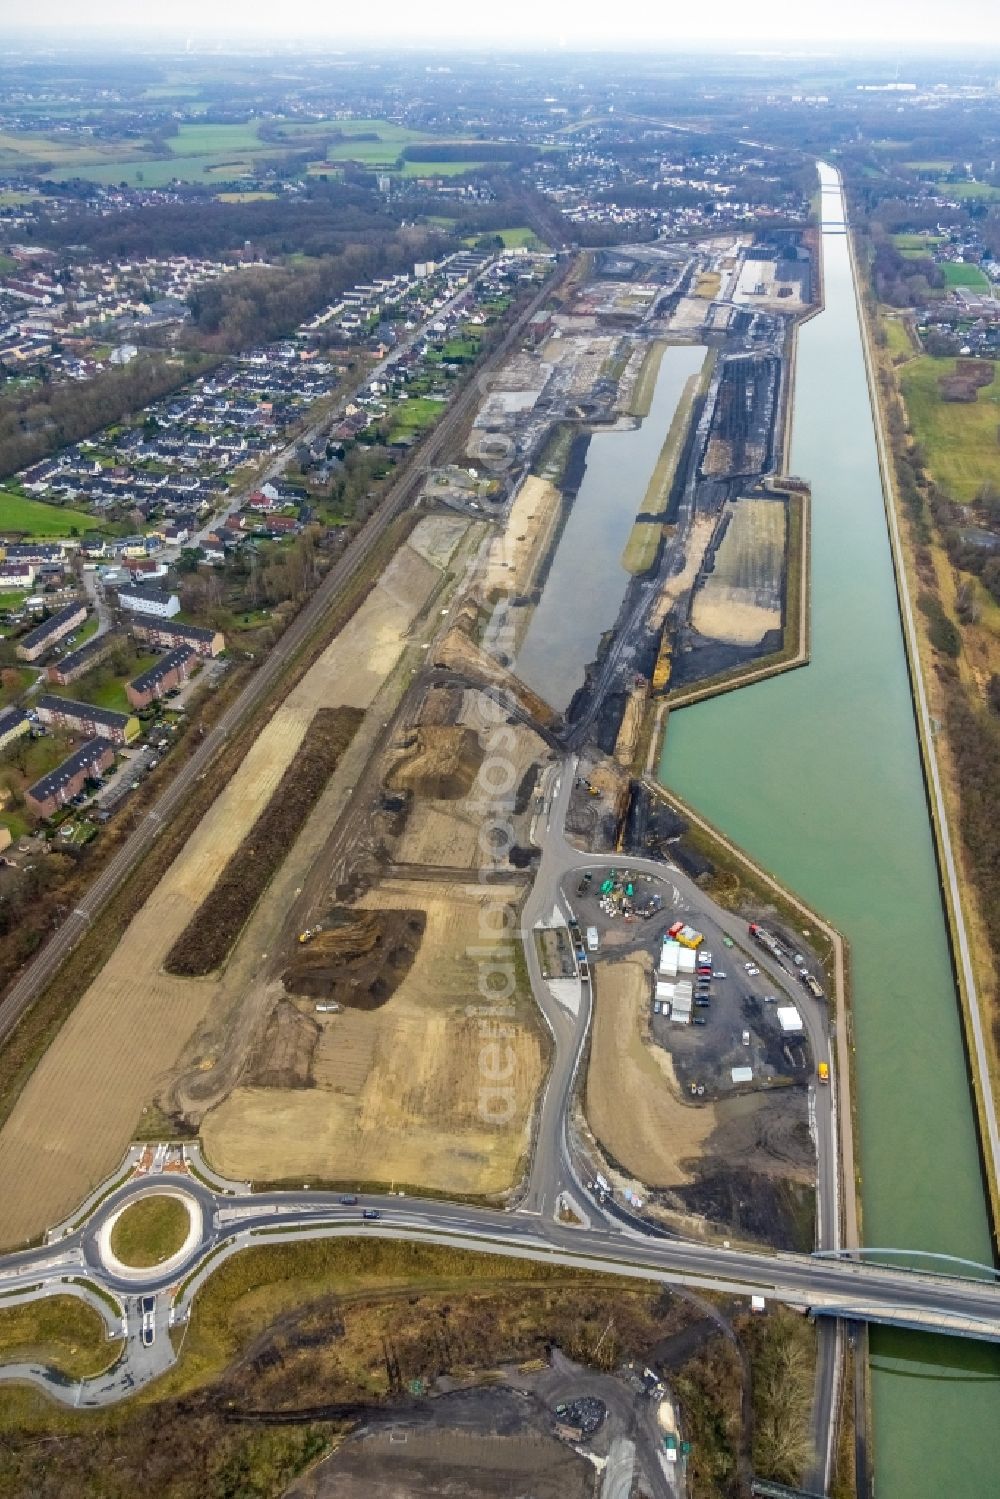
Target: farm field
(35,518)
(149,172)
(441,168)
(392,1094)
(657,1132)
(959,438)
(740,600)
(922,242)
(79,1109)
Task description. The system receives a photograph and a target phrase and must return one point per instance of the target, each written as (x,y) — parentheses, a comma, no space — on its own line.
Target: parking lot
(734,1020)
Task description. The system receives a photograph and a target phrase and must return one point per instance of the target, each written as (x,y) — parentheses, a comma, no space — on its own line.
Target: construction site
(307,977)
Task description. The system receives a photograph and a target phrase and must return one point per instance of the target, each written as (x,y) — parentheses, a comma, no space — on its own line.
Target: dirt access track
(393,1094)
(123,1041)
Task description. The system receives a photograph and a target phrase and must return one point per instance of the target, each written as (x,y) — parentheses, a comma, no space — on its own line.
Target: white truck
(593,941)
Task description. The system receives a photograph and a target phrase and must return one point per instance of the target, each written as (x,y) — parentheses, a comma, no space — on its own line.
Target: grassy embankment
(150,1231)
(945,453)
(35,518)
(643,544)
(60,1331)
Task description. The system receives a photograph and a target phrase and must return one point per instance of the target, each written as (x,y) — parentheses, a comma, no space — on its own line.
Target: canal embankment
(727,855)
(818,775)
(586,584)
(976,1044)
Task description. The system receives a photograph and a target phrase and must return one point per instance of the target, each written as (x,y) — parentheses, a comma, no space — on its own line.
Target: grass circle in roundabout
(150,1231)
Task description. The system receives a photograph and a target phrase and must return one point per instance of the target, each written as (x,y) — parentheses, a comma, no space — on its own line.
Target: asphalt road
(831,1287)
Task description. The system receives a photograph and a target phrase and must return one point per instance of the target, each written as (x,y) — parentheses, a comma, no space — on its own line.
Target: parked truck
(593,941)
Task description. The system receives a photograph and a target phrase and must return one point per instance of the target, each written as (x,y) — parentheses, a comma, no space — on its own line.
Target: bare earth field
(395,1094)
(744,1163)
(515,554)
(633,1104)
(461,1464)
(699,535)
(444,829)
(122,1042)
(740,600)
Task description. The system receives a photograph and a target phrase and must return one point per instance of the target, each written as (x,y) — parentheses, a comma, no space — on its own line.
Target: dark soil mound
(359,960)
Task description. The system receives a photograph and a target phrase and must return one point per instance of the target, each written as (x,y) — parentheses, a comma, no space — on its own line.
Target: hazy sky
(972,24)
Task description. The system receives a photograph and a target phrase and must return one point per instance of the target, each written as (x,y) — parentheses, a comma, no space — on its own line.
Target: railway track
(307,623)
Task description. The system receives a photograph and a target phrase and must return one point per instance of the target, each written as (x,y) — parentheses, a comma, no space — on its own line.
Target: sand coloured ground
(740,600)
(633,1104)
(513,555)
(397,1089)
(75,1117)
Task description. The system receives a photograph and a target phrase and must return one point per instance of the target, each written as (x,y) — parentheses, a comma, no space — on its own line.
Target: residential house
(68,779)
(44,636)
(162,677)
(77,663)
(85,718)
(13,723)
(168,634)
(152,601)
(16,575)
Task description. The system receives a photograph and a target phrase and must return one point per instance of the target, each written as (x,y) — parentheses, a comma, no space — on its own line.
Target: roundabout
(152,1234)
